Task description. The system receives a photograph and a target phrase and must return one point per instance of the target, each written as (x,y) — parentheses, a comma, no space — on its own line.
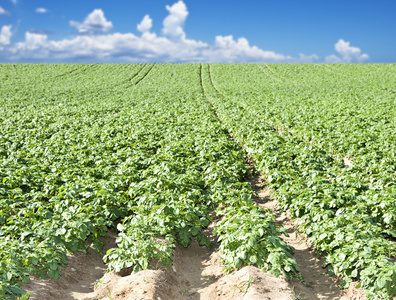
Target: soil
(196,273)
(347,161)
(77,279)
(317,283)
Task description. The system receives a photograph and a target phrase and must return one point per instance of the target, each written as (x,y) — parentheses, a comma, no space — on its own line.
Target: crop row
(373,169)
(144,149)
(138,150)
(347,219)
(350,116)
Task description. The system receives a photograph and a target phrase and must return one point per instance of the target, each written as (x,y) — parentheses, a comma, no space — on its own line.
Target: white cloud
(173,23)
(333,59)
(5,35)
(95,22)
(3,11)
(363,57)
(308,58)
(41,10)
(14,1)
(146,24)
(226,49)
(147,47)
(173,46)
(94,43)
(346,53)
(125,47)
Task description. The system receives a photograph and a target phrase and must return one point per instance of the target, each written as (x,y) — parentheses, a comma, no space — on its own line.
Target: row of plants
(51,200)
(346,110)
(349,220)
(136,148)
(375,184)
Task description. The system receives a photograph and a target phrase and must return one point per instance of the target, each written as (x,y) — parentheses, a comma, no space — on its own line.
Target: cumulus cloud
(94,43)
(172,46)
(308,58)
(146,24)
(147,47)
(3,11)
(33,41)
(5,35)
(173,23)
(333,59)
(95,22)
(227,49)
(346,53)
(41,10)
(125,47)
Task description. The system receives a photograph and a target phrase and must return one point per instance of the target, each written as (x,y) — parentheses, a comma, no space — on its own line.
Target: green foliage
(135,148)
(145,149)
(248,236)
(297,122)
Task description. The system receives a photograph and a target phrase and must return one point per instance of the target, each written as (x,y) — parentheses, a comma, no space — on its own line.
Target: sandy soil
(347,161)
(77,279)
(197,273)
(317,283)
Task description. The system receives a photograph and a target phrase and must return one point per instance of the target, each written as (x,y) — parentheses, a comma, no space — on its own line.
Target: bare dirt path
(317,283)
(197,273)
(77,279)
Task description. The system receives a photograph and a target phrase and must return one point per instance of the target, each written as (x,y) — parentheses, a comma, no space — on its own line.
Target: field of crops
(161,150)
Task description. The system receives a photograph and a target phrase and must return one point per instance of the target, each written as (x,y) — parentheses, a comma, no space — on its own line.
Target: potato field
(157,152)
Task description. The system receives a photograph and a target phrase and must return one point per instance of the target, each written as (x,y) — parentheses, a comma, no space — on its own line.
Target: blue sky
(197,31)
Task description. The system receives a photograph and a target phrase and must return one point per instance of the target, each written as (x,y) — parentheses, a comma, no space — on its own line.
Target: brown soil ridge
(77,280)
(317,283)
(196,273)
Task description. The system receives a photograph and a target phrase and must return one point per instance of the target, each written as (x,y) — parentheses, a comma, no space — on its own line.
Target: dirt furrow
(317,283)
(77,280)
(197,273)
